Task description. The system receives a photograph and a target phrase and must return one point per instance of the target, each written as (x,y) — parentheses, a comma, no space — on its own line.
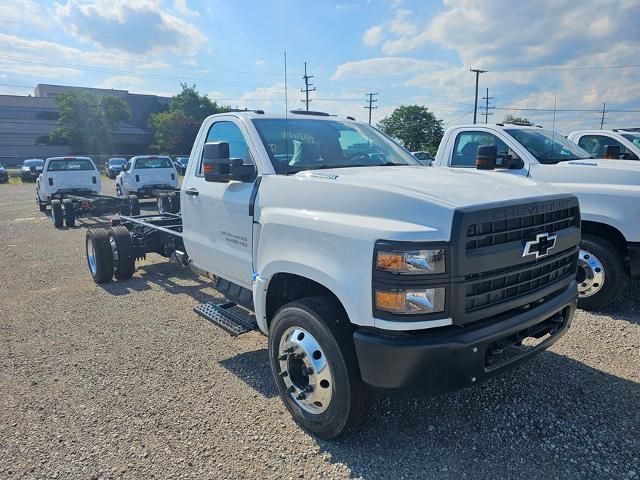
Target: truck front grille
(497,232)
(493,287)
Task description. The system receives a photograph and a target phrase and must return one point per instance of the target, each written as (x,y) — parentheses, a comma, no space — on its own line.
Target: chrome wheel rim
(118,190)
(91,256)
(304,370)
(160,206)
(591,275)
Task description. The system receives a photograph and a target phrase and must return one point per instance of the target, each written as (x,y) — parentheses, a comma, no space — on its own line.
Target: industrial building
(26,121)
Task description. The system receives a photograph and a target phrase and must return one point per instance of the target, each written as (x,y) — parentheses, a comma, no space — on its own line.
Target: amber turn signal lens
(390,301)
(393,262)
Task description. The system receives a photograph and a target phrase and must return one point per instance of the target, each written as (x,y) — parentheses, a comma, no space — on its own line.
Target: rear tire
(99,255)
(56,213)
(69,212)
(134,205)
(346,398)
(124,261)
(601,273)
(164,203)
(175,202)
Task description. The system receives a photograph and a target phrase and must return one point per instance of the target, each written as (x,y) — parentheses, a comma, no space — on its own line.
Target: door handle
(192,191)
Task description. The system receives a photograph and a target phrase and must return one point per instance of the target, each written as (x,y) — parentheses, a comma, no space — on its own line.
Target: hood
(452,187)
(596,171)
(392,203)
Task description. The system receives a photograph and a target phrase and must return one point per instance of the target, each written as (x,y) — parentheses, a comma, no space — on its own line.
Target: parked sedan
(31,169)
(114,166)
(4,174)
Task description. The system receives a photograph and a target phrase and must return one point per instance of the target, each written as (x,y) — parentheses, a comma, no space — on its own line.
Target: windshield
(546,146)
(117,161)
(154,162)
(33,163)
(309,144)
(73,164)
(633,138)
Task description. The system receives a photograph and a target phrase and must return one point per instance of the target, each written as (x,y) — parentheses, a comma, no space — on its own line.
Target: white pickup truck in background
(615,144)
(146,176)
(362,266)
(608,190)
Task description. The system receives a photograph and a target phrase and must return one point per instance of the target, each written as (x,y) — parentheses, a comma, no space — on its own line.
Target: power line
(475,103)
(370,107)
(306,88)
(577,67)
(486,108)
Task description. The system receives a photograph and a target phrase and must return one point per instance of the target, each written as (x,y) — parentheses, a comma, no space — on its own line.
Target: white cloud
(260,61)
(138,27)
(346,6)
(382,66)
(18,11)
(122,82)
(373,36)
(181,7)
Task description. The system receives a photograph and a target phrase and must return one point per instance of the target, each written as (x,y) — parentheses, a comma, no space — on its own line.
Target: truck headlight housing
(414,301)
(412,262)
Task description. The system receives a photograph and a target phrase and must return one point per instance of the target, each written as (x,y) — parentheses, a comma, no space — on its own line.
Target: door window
(229,132)
(466,147)
(596,146)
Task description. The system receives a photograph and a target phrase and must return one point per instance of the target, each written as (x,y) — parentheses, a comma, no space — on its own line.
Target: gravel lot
(125,381)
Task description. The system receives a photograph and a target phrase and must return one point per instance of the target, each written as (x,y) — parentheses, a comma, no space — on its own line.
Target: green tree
(513,119)
(175,130)
(415,127)
(87,122)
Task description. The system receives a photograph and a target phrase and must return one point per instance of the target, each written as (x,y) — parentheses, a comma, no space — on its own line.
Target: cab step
(228,316)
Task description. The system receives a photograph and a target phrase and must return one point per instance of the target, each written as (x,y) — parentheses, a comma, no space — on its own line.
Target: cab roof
(293,114)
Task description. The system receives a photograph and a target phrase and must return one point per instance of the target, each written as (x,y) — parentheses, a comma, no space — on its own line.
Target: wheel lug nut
(308,389)
(283,374)
(291,389)
(302,396)
(289,350)
(282,357)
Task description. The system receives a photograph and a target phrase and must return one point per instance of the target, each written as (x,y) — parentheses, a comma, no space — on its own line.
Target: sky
(575,55)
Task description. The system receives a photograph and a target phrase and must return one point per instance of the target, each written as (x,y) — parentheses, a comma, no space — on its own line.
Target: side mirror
(508,161)
(612,152)
(486,157)
(218,167)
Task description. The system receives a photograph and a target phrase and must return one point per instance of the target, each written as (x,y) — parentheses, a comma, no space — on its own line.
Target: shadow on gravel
(253,369)
(626,306)
(552,418)
(164,275)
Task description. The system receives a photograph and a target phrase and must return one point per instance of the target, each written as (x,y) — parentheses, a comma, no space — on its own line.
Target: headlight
(414,262)
(414,301)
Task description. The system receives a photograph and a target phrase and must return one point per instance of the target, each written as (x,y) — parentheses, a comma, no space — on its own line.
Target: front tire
(601,273)
(315,367)
(56,213)
(99,255)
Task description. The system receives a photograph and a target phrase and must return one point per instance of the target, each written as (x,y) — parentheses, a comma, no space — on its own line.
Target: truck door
(466,146)
(217,225)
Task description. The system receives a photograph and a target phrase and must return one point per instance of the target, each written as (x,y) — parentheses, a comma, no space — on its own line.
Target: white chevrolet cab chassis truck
(362,267)
(608,191)
(147,176)
(71,186)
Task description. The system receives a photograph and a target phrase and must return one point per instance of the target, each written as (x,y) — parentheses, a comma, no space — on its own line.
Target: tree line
(87,123)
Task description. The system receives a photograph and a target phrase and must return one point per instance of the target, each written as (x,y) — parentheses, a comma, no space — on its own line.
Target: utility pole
(486,107)
(370,106)
(475,103)
(604,109)
(306,88)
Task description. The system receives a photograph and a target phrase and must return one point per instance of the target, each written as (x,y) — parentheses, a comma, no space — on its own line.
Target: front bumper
(456,357)
(633,250)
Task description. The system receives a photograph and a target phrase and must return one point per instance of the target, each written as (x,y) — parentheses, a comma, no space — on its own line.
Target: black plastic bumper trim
(452,359)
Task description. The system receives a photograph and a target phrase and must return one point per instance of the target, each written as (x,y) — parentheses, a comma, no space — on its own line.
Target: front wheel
(601,273)
(56,213)
(315,368)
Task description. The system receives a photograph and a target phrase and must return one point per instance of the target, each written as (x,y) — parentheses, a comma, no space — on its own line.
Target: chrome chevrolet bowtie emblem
(541,245)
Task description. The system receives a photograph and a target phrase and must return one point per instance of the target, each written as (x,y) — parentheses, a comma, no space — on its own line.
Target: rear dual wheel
(110,254)
(56,213)
(168,203)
